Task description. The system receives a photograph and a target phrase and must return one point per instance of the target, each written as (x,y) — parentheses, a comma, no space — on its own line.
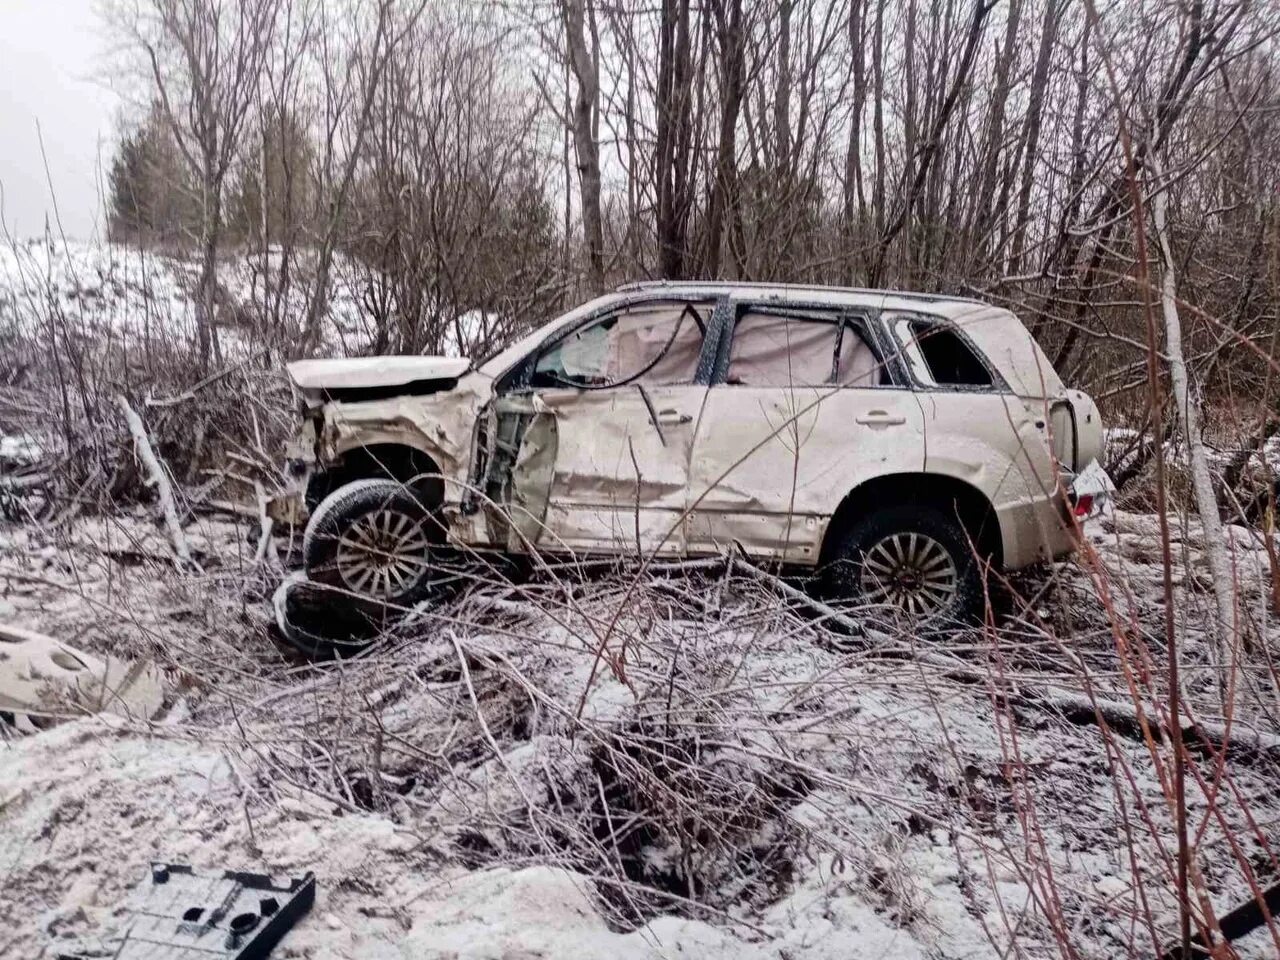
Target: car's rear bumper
(1047,527)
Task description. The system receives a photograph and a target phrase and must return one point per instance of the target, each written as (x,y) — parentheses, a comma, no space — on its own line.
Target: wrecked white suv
(895,443)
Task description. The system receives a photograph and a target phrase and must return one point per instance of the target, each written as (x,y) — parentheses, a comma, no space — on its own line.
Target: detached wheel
(914,563)
(374,538)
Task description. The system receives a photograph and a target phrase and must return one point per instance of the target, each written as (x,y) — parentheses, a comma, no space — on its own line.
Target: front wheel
(373,538)
(911,563)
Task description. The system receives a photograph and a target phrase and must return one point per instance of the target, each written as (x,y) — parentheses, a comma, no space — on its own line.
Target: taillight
(1083,505)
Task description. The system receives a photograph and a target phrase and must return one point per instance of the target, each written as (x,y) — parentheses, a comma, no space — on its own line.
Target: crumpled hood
(364,372)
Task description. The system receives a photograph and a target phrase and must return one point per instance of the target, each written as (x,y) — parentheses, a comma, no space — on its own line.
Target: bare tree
(205,59)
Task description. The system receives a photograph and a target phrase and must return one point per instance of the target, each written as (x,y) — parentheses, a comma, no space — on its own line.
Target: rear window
(939,355)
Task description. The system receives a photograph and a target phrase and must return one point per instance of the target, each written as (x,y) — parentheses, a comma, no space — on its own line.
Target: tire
(374,538)
(907,563)
(309,622)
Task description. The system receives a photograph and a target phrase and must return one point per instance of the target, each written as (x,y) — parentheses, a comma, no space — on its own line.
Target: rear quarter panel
(998,441)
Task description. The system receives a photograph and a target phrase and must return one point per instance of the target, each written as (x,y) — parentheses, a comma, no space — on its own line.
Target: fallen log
(158,478)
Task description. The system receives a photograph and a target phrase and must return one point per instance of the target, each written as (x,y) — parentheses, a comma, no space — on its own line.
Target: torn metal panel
(439,425)
(515,450)
(42,677)
(531,478)
(779,456)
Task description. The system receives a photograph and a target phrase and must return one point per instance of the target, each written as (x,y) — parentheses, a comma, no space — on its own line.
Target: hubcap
(910,571)
(383,554)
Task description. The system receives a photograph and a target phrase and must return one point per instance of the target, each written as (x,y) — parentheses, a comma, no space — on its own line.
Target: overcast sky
(51,70)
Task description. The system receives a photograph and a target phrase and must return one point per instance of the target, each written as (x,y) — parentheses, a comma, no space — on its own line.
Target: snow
(115,295)
(132,298)
(886,806)
(20,448)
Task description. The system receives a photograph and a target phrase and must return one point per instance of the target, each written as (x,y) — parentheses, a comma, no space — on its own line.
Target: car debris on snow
(233,915)
(42,679)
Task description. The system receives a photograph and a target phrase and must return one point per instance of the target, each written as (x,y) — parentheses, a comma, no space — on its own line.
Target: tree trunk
(582,60)
(1031,139)
(877,121)
(207,292)
(986,201)
(854,198)
(672,137)
(1188,414)
(728,26)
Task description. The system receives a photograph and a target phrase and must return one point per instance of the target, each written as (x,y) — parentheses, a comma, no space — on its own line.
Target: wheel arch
(950,494)
(385,460)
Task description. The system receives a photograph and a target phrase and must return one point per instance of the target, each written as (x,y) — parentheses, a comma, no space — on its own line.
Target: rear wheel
(374,538)
(908,563)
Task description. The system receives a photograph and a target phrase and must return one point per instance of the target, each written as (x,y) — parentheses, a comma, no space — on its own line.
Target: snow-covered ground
(120,294)
(593,767)
(131,296)
(734,781)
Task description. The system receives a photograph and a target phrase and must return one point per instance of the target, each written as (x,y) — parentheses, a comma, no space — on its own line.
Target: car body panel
(771,465)
(997,444)
(621,473)
(696,468)
(357,372)
(1012,350)
(439,425)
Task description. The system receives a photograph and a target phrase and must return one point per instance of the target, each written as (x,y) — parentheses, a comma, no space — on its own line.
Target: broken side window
(655,343)
(941,356)
(774,350)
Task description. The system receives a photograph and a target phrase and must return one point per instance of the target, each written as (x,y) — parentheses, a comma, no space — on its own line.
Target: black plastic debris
(1240,922)
(180,913)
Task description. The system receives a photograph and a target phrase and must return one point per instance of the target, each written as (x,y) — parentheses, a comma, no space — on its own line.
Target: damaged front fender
(439,425)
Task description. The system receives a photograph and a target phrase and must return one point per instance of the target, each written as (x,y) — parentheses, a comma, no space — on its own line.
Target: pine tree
(151,200)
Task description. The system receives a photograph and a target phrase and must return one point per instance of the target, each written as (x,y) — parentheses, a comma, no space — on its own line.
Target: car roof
(814,293)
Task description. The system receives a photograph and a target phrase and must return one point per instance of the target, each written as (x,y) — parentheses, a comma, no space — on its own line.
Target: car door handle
(881,418)
(671,418)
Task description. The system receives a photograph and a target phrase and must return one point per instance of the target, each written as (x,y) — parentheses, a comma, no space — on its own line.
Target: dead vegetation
(696,758)
(736,761)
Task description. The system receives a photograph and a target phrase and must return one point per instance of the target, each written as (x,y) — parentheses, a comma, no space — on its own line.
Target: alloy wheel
(910,571)
(383,553)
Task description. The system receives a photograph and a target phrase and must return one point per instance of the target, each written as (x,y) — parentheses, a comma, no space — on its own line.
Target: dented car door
(805,408)
(621,467)
(603,434)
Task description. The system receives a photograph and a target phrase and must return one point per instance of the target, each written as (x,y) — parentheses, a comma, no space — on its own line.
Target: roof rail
(637,285)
